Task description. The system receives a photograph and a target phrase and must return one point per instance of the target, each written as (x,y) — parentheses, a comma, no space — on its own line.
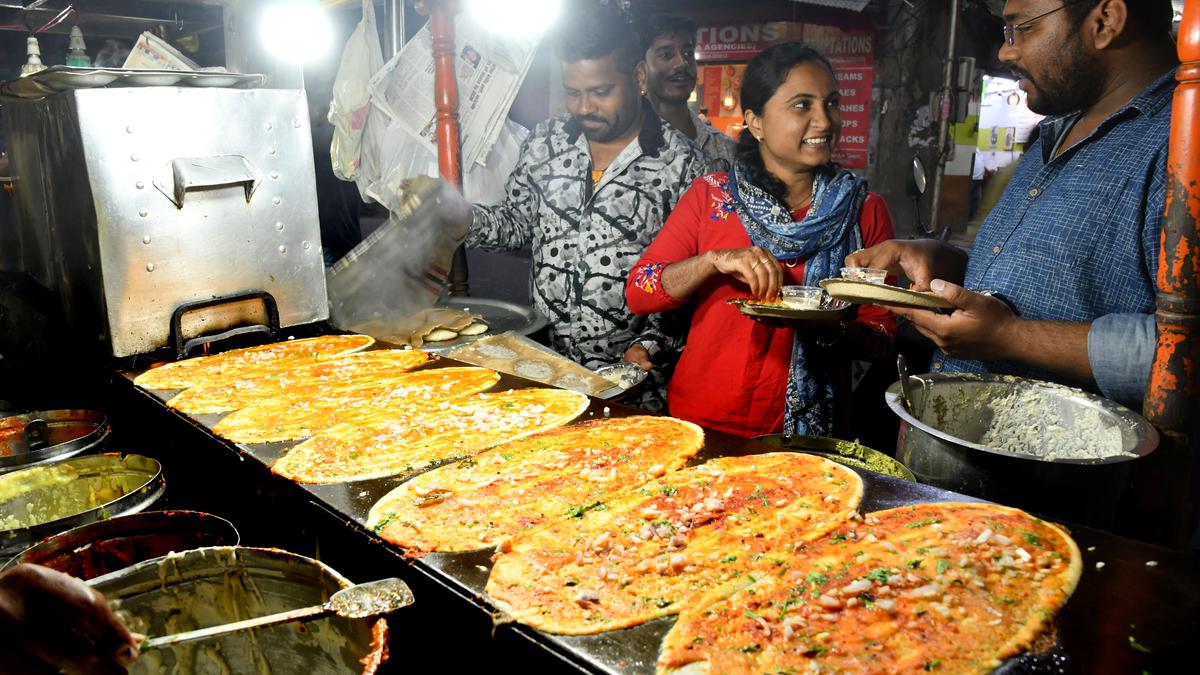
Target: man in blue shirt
(1070,252)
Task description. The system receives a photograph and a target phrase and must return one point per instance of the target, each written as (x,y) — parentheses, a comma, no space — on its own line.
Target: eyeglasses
(1010,31)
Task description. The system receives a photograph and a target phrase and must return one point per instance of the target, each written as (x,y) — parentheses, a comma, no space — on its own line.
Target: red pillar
(441,27)
(1173,396)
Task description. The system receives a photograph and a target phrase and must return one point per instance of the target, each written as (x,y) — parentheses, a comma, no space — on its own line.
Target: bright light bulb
(295,30)
(515,17)
(728,102)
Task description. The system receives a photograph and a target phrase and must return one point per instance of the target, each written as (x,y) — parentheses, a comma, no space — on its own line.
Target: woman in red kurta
(784,216)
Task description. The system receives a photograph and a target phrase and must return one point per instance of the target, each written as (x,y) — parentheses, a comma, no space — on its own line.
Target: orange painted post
(1173,395)
(441,28)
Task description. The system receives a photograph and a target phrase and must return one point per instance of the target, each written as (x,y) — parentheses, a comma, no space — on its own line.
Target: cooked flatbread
(289,417)
(297,382)
(519,485)
(404,439)
(242,362)
(952,587)
(654,550)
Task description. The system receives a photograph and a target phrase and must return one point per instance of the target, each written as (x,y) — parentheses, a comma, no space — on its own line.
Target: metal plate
(57,496)
(628,372)
(867,293)
(500,316)
(832,310)
(65,78)
(70,433)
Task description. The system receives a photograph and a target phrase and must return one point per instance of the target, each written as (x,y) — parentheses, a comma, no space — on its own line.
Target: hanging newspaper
(489,70)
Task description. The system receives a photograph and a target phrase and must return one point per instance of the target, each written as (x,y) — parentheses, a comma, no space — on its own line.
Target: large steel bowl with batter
(1048,448)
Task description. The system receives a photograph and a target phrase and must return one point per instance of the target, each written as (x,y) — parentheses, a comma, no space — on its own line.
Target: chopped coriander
(1032,539)
(670,491)
(931,665)
(942,566)
(729,559)
(749,649)
(839,538)
(1138,646)
(915,563)
(879,575)
(923,523)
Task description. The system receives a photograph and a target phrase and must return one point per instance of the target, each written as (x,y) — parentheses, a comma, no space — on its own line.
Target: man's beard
(680,96)
(1075,84)
(610,131)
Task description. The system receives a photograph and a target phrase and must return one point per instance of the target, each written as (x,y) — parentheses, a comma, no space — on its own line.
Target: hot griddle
(1158,605)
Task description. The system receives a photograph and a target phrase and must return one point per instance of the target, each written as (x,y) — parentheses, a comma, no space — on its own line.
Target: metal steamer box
(136,201)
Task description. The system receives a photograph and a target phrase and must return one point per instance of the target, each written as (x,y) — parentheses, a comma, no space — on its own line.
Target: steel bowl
(843,452)
(211,586)
(951,413)
(105,546)
(66,433)
(43,500)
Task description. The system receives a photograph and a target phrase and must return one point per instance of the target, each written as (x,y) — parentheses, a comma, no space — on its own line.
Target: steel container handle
(189,174)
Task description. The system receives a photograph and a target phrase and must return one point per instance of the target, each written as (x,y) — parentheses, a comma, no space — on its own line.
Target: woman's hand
(754,266)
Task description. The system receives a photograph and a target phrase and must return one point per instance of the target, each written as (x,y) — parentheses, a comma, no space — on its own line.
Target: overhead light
(295,30)
(515,17)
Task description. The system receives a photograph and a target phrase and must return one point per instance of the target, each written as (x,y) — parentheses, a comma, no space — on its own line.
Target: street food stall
(364,459)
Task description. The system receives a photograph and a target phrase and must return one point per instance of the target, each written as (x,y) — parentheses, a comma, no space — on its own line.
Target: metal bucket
(843,452)
(54,497)
(98,548)
(65,433)
(952,441)
(210,586)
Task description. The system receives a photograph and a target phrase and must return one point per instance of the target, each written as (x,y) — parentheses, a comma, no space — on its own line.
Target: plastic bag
(482,183)
(351,105)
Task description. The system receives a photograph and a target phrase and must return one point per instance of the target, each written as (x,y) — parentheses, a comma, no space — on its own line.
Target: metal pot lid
(43,500)
(1138,437)
(105,546)
(38,437)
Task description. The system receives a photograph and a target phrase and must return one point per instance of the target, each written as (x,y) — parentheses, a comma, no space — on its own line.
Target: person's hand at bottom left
(54,623)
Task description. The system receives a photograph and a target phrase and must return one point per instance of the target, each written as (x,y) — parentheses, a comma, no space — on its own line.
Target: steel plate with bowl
(218,585)
(829,309)
(43,500)
(869,293)
(843,452)
(43,436)
(627,378)
(106,546)
(1044,447)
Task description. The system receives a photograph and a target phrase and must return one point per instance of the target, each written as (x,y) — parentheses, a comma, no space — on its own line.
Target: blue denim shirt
(1076,237)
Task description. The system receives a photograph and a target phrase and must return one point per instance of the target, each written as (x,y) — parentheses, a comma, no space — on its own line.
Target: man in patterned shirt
(668,76)
(1072,245)
(588,195)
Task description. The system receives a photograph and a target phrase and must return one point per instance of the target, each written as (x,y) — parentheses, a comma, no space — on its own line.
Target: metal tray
(66,78)
(86,489)
(69,433)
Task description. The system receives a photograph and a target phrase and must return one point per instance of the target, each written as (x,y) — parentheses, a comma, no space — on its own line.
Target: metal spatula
(355,602)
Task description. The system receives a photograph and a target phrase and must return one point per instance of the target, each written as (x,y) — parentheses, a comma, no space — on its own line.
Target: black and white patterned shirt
(586,238)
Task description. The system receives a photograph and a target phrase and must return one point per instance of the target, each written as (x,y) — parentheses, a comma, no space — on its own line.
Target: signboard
(741,41)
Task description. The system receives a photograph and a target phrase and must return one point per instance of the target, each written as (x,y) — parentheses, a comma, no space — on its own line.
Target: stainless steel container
(843,452)
(940,444)
(135,201)
(50,498)
(211,586)
(106,546)
(61,434)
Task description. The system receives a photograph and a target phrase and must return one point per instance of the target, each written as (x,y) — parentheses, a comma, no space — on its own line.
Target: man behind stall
(1073,243)
(590,192)
(669,75)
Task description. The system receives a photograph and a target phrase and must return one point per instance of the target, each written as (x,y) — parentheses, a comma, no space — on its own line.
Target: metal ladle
(905,392)
(355,602)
